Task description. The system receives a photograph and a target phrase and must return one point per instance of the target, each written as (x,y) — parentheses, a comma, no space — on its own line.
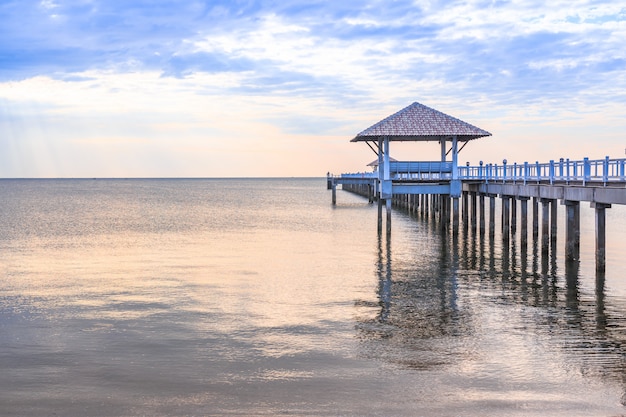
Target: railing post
(480,170)
(621,169)
(567,170)
(551,171)
(561,174)
(538,172)
(525,172)
(503,170)
(605,177)
(514,172)
(586,170)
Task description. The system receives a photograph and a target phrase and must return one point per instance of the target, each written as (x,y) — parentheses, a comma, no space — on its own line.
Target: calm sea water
(258,297)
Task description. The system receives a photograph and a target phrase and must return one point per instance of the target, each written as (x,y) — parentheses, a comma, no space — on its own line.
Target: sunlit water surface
(258,297)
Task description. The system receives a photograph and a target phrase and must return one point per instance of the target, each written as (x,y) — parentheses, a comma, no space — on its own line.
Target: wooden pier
(444,190)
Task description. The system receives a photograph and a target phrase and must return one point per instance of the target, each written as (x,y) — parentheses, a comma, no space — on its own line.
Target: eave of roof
(420,123)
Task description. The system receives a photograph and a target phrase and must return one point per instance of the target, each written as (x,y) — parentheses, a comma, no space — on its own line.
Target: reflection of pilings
(524,259)
(384,278)
(601,318)
(505,260)
(571,282)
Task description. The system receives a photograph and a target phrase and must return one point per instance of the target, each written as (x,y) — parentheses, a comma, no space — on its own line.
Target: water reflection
(429,313)
(419,324)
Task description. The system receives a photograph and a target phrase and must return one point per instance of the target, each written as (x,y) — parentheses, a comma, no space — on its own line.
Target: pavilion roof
(420,123)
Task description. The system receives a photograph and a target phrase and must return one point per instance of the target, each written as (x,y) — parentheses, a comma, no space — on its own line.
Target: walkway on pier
(439,185)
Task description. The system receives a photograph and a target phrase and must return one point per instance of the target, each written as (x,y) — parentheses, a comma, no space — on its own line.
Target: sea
(258,297)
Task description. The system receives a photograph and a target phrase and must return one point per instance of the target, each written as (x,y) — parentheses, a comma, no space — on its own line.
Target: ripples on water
(257,297)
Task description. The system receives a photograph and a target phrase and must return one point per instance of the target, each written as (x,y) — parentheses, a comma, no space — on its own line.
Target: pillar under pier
(455,215)
(524,221)
(545,224)
(492,216)
(572,230)
(473,213)
(506,209)
(553,222)
(600,235)
(481,200)
(535,206)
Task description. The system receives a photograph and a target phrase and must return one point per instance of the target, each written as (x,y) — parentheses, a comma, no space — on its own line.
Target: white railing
(420,170)
(601,170)
(584,171)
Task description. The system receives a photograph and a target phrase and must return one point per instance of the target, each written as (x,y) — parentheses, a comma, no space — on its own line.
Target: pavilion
(419,123)
(414,123)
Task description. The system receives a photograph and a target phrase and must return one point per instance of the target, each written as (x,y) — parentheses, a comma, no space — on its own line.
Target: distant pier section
(438,188)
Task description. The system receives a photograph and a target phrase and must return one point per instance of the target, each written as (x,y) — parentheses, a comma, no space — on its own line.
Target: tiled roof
(418,122)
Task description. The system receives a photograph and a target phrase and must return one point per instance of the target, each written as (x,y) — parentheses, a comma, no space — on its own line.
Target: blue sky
(165,88)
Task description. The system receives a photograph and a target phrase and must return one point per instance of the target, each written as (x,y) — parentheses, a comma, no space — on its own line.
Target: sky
(173,88)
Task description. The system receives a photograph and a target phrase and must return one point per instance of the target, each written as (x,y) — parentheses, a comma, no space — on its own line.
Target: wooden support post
(433,206)
(492,216)
(481,199)
(600,235)
(455,215)
(506,207)
(444,211)
(388,212)
(513,215)
(465,207)
(473,214)
(524,221)
(545,225)
(553,222)
(334,187)
(535,204)
(572,230)
(380,216)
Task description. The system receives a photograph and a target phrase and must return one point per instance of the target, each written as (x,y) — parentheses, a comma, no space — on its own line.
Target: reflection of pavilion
(417,311)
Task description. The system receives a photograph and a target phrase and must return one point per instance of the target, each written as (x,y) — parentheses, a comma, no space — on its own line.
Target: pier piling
(572,230)
(600,235)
